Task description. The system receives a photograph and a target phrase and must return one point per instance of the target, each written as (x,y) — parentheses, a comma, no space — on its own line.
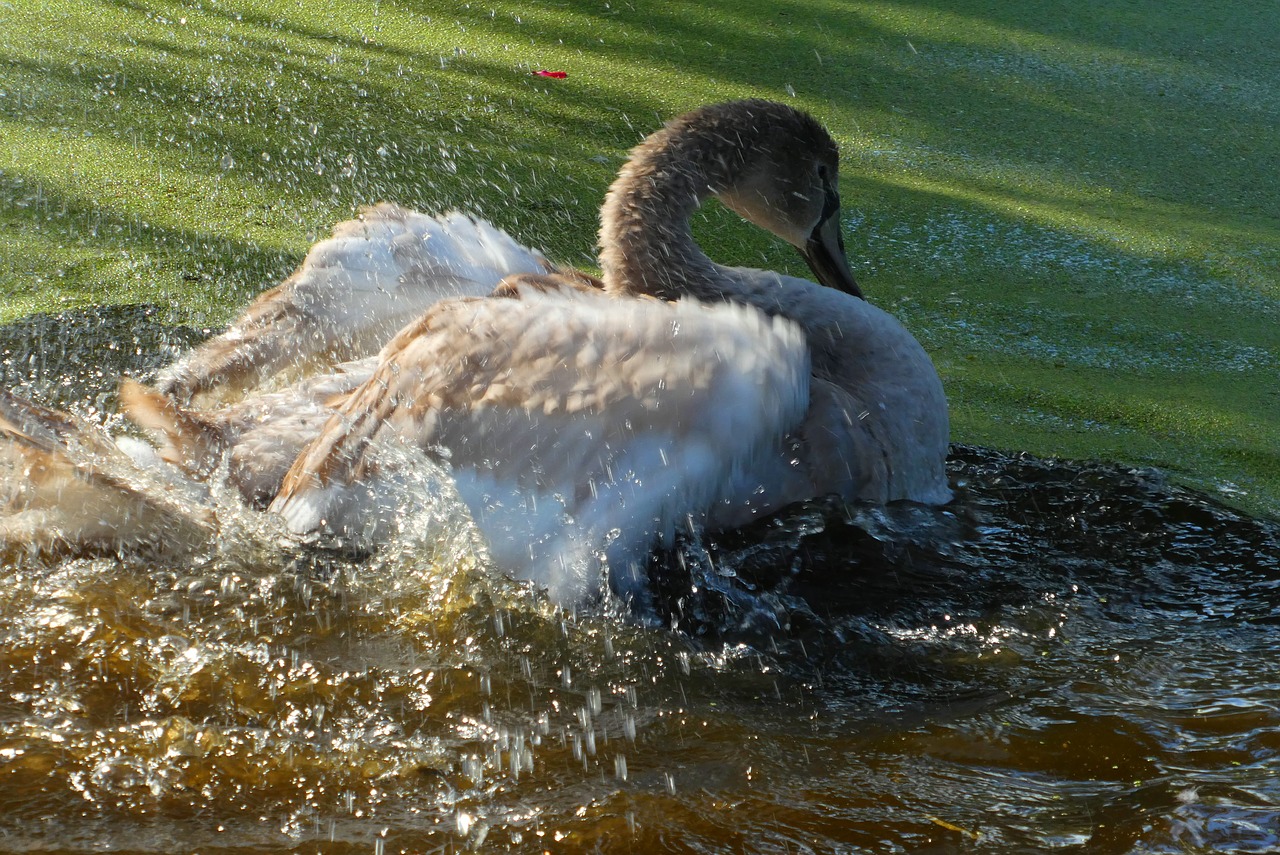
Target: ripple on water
(1070,657)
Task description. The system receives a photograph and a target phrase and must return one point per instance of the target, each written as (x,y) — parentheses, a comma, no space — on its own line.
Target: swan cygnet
(582,424)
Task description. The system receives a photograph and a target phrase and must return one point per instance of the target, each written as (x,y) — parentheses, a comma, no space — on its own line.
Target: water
(1070,657)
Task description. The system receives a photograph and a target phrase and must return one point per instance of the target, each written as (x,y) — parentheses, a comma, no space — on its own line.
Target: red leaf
(558,75)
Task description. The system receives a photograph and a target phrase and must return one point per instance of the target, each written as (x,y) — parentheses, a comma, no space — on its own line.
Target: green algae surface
(1073,207)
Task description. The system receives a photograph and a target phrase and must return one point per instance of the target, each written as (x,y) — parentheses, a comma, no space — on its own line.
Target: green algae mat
(1073,207)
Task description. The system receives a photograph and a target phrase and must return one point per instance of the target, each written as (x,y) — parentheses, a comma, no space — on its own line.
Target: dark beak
(825,253)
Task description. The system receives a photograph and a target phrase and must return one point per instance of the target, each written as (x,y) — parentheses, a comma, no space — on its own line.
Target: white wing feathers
(628,417)
(351,293)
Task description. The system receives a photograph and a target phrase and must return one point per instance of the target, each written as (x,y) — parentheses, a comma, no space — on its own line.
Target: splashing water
(1069,657)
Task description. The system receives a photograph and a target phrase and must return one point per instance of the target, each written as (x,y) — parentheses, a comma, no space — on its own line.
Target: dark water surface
(1071,657)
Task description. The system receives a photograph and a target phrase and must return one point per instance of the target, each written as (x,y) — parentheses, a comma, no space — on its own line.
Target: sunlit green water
(1071,205)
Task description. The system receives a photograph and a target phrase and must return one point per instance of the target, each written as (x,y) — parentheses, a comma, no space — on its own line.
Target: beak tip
(827,260)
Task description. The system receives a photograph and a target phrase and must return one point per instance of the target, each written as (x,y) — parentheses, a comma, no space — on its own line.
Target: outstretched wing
(625,416)
(351,294)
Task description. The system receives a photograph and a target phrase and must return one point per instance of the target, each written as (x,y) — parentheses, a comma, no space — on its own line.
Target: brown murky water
(1073,658)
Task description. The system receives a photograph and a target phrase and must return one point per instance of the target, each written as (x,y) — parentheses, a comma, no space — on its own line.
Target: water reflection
(1070,657)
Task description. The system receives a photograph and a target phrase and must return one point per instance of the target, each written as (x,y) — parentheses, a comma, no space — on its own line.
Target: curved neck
(645,243)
